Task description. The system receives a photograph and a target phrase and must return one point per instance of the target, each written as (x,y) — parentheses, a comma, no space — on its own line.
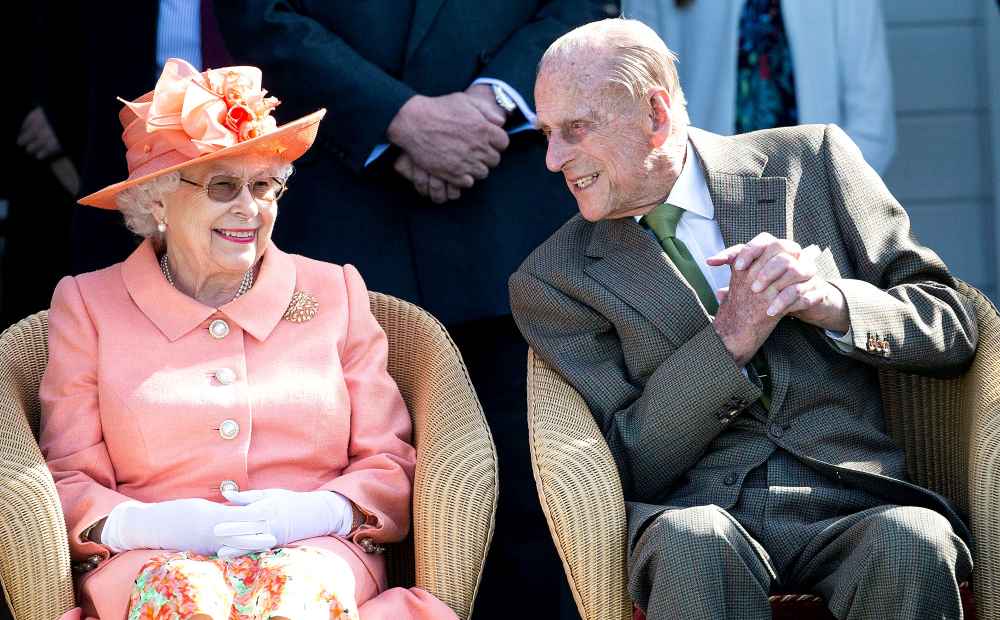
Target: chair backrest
(931,418)
(455,485)
(580,493)
(25,353)
(30,514)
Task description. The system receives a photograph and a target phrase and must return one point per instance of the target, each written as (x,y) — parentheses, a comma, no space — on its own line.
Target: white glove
(287,516)
(177,525)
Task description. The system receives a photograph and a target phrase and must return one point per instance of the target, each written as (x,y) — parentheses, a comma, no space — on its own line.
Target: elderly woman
(217,414)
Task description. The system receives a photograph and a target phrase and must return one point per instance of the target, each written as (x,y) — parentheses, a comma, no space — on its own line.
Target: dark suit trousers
(522,569)
(793,530)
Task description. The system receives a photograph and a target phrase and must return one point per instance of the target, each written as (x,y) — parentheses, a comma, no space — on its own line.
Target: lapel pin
(303,307)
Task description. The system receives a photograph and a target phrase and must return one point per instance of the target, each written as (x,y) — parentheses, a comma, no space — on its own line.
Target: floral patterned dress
(765,82)
(286,582)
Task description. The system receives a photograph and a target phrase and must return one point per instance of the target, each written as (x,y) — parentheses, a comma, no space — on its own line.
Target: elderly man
(723,305)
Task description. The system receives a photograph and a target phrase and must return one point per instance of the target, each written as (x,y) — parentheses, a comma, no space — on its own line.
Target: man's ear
(660,117)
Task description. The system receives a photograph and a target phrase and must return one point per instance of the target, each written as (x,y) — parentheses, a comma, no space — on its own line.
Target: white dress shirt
(697,228)
(700,233)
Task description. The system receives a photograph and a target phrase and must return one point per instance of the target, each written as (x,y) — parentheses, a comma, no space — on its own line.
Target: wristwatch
(503,99)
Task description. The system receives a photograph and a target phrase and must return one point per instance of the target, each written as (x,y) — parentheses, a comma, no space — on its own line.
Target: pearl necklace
(245,283)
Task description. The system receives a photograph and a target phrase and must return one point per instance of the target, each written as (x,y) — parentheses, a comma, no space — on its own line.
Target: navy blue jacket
(362,61)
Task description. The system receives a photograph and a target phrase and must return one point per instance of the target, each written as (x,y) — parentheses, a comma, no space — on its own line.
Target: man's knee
(910,537)
(700,529)
(679,548)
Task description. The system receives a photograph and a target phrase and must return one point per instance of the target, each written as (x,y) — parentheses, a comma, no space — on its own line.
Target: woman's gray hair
(136,203)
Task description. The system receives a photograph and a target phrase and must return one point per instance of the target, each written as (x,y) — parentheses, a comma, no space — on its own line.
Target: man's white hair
(639,59)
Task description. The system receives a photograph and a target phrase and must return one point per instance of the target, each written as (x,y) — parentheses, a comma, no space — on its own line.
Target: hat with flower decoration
(194,117)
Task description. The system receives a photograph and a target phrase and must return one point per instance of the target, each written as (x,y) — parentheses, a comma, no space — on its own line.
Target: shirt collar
(175,314)
(690,190)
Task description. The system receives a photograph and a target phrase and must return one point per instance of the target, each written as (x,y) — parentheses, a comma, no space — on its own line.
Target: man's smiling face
(598,138)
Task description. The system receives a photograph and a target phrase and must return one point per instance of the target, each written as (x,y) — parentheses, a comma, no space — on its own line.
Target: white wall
(944,173)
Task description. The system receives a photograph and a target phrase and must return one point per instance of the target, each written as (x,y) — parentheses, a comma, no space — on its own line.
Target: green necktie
(663,222)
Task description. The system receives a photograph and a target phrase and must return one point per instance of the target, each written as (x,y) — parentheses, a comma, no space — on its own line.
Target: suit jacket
(363,61)
(133,403)
(603,305)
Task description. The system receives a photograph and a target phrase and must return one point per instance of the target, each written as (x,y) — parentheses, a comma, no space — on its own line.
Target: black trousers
(522,569)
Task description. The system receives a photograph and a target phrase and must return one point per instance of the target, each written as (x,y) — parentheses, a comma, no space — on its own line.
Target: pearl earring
(161,226)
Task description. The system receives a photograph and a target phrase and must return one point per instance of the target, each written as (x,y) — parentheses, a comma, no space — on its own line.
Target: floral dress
(287,582)
(765,81)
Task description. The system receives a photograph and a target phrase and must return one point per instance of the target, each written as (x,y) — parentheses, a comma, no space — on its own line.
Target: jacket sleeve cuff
(724,389)
(99,506)
(377,525)
(522,105)
(869,334)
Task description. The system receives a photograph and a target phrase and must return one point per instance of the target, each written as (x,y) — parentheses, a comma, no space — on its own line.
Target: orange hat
(194,117)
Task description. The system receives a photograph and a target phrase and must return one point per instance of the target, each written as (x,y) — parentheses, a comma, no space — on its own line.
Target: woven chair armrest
(980,406)
(455,483)
(580,493)
(34,554)
(924,415)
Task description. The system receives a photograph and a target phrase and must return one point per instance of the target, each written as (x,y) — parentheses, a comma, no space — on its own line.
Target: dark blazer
(362,61)
(602,304)
(120,46)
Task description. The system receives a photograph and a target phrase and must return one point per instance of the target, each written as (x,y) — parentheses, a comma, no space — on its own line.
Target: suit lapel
(746,204)
(633,267)
(424,12)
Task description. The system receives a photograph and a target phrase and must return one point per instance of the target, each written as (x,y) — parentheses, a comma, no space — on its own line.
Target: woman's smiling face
(213,237)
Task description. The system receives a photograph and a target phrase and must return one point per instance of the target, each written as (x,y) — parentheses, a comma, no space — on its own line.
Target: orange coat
(139,401)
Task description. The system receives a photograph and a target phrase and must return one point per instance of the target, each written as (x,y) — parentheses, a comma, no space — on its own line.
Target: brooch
(302,308)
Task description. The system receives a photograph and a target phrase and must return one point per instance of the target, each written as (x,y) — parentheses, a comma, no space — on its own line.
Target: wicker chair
(950,430)
(455,487)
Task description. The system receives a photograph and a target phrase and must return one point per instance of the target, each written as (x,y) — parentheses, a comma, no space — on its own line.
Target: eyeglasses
(226,189)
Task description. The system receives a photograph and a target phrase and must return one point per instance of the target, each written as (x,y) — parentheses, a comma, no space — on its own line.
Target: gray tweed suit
(726,500)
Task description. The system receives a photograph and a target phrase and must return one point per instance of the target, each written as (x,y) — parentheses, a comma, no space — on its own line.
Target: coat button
(229,485)
(229,429)
(775,430)
(219,329)
(225,376)
(730,479)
